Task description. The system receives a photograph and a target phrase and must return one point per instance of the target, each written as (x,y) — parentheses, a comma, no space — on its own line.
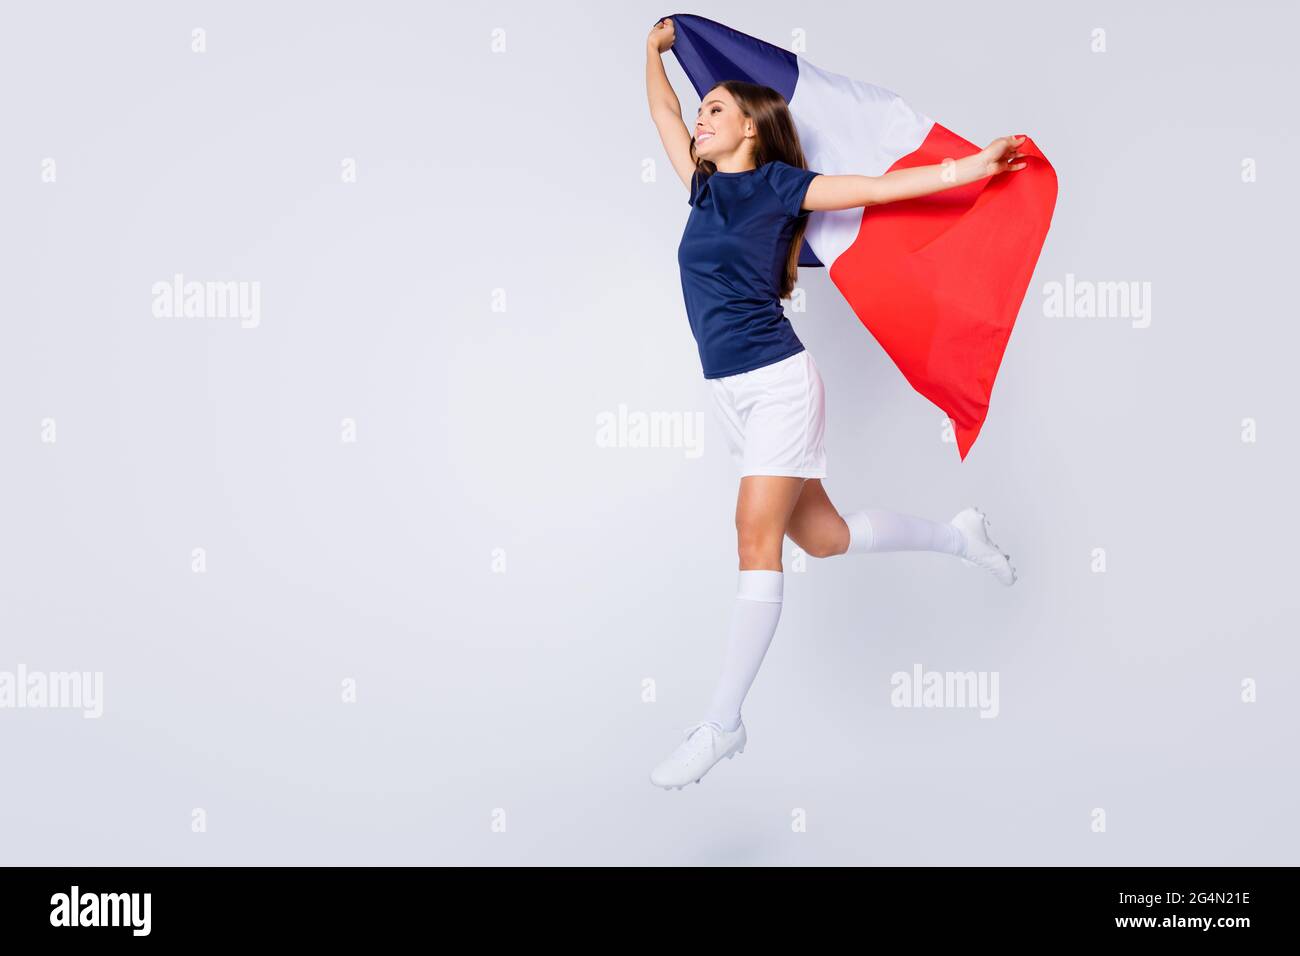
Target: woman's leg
(763,510)
(821,531)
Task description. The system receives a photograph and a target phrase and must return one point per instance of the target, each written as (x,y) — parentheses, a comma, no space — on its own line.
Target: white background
(486,696)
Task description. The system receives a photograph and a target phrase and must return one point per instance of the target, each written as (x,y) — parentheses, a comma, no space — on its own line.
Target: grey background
(525,171)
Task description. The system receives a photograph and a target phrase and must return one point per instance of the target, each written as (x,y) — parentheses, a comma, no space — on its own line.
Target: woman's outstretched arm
(846,192)
(665,110)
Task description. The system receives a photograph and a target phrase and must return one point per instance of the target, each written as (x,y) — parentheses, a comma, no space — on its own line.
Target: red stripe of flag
(939,280)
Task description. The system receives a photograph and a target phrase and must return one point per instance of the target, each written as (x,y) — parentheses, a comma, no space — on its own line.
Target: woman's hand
(998,155)
(662,35)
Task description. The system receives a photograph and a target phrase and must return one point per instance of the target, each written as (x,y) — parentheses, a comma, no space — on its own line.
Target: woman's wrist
(976,167)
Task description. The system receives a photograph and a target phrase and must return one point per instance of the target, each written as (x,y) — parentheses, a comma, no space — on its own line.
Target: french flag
(937,280)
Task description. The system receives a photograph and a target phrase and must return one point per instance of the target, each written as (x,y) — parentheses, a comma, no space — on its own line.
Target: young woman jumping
(750,193)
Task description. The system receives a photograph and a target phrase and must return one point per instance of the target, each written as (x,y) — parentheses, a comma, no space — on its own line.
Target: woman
(750,192)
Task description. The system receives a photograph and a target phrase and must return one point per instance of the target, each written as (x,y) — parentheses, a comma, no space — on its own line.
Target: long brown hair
(776,138)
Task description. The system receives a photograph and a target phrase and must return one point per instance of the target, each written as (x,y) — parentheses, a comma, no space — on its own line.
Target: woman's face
(720,128)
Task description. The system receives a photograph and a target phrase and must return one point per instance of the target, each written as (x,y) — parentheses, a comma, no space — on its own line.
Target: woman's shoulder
(789,183)
(777,171)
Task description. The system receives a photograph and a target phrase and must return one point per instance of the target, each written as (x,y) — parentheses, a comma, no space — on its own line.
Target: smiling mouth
(702,137)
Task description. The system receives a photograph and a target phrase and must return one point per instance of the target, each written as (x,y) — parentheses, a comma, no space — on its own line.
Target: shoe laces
(712,738)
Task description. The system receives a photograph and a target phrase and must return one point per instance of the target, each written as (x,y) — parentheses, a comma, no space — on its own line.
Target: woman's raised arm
(665,109)
(847,192)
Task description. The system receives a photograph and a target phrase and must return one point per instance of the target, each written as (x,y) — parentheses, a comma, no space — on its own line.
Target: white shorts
(775,418)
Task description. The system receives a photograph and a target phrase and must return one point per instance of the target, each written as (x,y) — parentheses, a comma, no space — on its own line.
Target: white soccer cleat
(981,552)
(704,744)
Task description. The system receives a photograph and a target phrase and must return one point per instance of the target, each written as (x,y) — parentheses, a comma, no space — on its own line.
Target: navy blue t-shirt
(732,255)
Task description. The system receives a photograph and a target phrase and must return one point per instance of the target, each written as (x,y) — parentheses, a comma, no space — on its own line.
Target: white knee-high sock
(753,622)
(879,530)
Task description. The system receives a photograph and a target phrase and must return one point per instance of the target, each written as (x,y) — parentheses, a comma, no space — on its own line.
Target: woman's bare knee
(758,546)
(762,514)
(815,545)
(820,548)
(817,528)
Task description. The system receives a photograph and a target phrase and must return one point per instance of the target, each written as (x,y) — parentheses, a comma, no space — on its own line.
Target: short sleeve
(790,183)
(695,185)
